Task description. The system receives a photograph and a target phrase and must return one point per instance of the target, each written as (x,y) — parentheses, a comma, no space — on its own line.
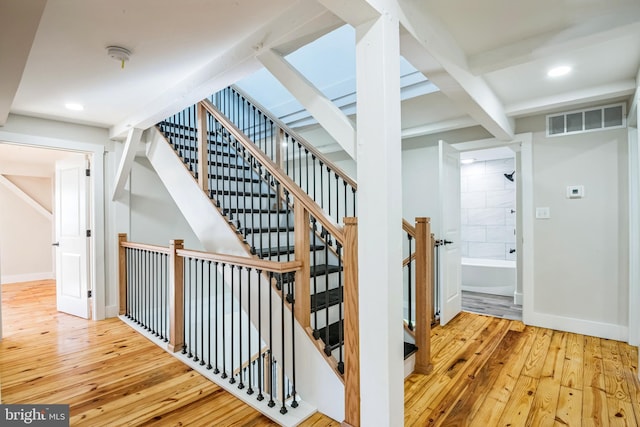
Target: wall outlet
(543,213)
(575,192)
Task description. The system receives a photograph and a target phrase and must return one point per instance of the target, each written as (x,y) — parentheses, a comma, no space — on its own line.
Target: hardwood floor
(109,374)
(487,372)
(490,371)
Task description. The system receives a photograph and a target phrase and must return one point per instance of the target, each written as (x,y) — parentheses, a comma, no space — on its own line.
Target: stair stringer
(317,382)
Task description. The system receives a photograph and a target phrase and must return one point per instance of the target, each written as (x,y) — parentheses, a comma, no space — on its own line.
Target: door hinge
(89,293)
(87,172)
(88,233)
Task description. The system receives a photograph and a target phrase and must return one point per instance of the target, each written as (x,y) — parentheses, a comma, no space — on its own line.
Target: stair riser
(256,187)
(233,173)
(262,220)
(322,283)
(241,202)
(322,319)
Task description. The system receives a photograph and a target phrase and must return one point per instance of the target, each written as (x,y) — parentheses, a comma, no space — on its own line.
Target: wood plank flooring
(487,372)
(490,371)
(109,374)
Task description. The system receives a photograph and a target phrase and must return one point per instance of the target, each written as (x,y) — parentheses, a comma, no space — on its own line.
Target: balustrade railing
(308,168)
(232,315)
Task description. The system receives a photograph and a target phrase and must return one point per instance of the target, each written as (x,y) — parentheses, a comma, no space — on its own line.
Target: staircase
(279,197)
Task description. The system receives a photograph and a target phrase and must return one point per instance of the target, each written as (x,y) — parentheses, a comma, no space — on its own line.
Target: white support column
(126,162)
(380,217)
(319,106)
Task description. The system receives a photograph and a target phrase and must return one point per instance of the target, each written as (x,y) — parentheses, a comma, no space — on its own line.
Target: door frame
(96,200)
(521,143)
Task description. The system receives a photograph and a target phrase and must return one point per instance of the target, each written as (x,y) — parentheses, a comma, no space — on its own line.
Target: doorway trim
(96,154)
(521,143)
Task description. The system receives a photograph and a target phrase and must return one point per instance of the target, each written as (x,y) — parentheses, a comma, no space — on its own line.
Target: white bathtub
(491,276)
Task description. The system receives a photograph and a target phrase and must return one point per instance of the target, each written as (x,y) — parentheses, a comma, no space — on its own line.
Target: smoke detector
(119,53)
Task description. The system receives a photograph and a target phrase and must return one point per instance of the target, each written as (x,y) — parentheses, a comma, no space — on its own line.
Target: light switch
(543,213)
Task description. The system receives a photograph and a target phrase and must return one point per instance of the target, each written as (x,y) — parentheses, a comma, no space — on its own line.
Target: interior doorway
(489,232)
(27,221)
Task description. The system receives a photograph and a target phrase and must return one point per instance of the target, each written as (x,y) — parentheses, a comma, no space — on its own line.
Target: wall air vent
(588,120)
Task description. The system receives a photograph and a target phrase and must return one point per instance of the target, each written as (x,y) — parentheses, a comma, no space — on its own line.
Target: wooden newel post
(122,274)
(301,248)
(176,296)
(424,295)
(351,325)
(203,147)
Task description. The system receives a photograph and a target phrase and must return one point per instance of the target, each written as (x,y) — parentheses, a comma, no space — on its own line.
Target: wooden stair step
(283,250)
(240,193)
(235,178)
(322,300)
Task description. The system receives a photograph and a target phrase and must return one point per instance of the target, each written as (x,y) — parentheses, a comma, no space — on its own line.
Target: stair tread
(275,229)
(242,193)
(409,349)
(235,178)
(326,299)
(260,211)
(265,252)
(334,339)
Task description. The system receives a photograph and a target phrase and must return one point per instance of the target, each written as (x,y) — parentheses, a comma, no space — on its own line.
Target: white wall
(154,217)
(25,234)
(580,254)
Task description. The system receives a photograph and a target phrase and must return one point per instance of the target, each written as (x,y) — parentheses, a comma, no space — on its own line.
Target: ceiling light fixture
(559,71)
(119,53)
(467,161)
(74,106)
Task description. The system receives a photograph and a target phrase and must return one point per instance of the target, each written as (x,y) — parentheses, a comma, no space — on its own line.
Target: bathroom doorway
(489,198)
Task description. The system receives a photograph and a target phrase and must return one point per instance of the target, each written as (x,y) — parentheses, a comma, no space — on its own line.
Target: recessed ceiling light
(467,161)
(559,71)
(74,106)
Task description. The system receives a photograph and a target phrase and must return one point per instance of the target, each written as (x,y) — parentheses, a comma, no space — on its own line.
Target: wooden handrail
(146,247)
(293,189)
(406,226)
(306,144)
(256,263)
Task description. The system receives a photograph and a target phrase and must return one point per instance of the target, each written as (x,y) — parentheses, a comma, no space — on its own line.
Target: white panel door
(449,233)
(72,255)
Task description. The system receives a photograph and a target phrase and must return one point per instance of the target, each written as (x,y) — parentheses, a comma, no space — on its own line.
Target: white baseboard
(30,277)
(578,326)
(518,298)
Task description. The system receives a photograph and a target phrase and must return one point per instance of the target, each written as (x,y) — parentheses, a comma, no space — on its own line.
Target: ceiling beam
(328,115)
(568,99)
(126,162)
(22,195)
(295,27)
(556,43)
(437,127)
(19,22)
(431,49)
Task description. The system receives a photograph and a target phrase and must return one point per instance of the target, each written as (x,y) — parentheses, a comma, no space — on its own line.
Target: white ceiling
(185,50)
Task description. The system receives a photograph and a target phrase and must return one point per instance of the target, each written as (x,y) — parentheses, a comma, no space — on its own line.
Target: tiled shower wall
(488,209)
